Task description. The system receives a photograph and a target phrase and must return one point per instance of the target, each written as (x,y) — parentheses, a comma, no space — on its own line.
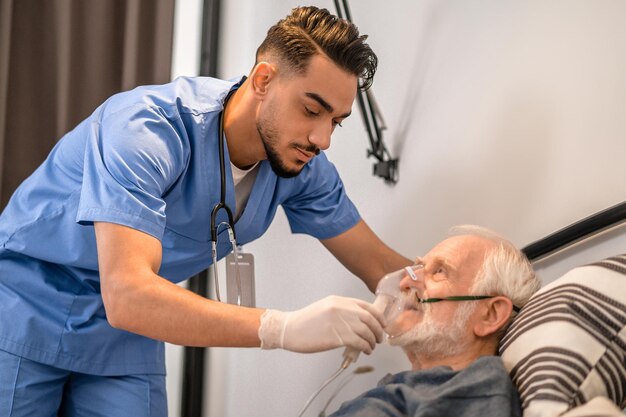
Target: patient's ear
(493,314)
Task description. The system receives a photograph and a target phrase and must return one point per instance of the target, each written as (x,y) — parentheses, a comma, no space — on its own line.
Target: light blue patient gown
(147,159)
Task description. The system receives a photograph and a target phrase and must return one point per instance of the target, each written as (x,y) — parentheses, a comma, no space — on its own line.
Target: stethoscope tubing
(222,204)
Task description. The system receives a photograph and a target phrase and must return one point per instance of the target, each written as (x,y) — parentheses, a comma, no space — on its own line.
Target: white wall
(509,115)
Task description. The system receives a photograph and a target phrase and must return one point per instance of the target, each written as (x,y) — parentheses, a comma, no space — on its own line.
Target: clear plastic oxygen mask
(400,307)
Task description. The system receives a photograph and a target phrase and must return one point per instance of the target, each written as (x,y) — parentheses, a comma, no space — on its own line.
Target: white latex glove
(326,324)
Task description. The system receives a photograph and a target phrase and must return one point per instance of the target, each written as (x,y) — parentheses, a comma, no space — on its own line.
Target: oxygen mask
(400,305)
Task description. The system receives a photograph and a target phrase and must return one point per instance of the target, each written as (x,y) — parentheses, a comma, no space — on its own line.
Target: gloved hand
(326,324)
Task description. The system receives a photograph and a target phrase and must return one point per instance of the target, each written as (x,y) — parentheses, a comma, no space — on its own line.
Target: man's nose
(320,136)
(414,278)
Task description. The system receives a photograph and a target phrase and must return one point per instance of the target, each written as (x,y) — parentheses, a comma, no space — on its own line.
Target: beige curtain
(59,59)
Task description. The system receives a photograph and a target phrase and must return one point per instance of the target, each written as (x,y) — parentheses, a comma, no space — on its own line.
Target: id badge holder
(240,279)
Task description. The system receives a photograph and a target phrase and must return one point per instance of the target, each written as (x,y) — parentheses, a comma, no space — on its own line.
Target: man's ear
(494,313)
(260,77)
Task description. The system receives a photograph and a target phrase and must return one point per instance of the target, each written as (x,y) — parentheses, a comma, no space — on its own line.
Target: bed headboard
(576,232)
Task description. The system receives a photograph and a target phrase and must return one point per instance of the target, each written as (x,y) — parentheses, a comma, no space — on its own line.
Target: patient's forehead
(464,252)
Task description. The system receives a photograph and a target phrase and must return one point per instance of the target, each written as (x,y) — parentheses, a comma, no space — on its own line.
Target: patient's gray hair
(505,271)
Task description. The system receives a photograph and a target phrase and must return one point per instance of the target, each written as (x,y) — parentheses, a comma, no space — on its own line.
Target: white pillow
(568,344)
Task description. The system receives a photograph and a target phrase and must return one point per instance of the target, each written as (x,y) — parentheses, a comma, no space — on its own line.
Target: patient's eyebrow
(325,104)
(442,261)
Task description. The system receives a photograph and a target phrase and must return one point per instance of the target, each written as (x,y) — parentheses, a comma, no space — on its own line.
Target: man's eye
(336,123)
(310,112)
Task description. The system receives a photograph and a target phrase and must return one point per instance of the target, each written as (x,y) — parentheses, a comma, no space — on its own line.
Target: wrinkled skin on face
(442,328)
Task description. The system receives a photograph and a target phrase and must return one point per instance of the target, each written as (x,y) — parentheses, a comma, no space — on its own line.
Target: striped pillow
(568,344)
(598,407)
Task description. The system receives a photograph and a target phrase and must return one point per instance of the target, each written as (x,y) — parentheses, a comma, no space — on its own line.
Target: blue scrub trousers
(31,389)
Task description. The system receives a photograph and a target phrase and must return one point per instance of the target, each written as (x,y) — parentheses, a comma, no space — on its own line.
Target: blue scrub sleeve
(132,157)
(322,208)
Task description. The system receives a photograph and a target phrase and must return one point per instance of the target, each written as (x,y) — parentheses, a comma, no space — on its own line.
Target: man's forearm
(378,264)
(138,300)
(365,255)
(161,310)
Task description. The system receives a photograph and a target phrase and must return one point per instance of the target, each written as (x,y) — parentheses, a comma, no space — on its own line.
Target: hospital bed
(566,350)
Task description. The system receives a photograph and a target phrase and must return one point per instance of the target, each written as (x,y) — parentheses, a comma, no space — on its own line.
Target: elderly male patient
(452,340)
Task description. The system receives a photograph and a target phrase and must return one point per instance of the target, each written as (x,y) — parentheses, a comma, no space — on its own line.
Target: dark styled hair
(310,30)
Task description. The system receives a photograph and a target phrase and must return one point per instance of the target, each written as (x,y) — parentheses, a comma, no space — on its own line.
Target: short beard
(432,339)
(268,134)
(276,162)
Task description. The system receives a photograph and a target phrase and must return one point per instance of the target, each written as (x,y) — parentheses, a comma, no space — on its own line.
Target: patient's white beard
(437,339)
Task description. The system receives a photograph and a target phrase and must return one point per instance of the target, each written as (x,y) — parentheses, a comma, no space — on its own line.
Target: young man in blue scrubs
(93,242)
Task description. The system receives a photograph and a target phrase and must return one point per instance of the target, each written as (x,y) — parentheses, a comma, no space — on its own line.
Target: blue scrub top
(147,159)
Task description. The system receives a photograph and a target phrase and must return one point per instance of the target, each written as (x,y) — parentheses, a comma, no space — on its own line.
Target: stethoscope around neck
(221,205)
